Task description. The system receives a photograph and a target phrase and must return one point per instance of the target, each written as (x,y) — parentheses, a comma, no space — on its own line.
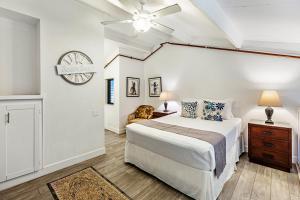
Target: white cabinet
(20,138)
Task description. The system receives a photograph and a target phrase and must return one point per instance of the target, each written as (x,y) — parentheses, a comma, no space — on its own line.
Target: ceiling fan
(142,20)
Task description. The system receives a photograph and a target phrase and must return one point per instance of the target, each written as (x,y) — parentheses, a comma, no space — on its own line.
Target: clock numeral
(88,75)
(71,60)
(68,76)
(76,78)
(75,56)
(82,60)
(65,60)
(83,77)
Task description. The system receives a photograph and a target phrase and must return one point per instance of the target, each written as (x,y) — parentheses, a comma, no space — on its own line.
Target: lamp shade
(166,96)
(269,98)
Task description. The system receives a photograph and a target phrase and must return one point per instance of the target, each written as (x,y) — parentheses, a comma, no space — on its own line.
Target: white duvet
(186,150)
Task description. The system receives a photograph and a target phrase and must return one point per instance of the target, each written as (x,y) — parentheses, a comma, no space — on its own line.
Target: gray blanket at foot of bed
(217,140)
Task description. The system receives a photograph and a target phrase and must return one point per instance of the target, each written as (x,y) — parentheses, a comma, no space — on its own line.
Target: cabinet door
(2,143)
(20,140)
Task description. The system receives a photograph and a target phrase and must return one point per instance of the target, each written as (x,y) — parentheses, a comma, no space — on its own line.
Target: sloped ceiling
(271,25)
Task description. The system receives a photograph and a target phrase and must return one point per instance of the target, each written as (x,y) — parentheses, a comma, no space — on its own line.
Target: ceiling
(271,25)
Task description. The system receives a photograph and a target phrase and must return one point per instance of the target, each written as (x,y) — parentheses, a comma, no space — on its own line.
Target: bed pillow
(213,110)
(227,113)
(189,109)
(199,106)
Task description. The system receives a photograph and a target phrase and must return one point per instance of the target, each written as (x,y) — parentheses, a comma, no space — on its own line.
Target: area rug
(86,185)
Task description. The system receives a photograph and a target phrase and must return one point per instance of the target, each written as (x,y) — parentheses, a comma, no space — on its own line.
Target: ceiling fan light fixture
(142,20)
(142,24)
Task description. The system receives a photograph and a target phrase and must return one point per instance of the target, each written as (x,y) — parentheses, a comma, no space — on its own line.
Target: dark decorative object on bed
(213,110)
(132,87)
(155,86)
(270,145)
(189,109)
(270,99)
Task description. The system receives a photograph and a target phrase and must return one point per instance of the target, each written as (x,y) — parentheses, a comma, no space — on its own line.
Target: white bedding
(186,150)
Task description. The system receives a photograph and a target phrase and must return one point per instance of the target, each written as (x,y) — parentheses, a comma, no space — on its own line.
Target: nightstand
(157,114)
(270,145)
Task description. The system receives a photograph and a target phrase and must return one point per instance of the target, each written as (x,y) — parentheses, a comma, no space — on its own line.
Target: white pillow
(227,110)
(228,107)
(200,105)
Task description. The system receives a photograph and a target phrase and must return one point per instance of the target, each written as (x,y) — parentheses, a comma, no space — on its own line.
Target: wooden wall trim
(204,47)
(135,58)
(122,55)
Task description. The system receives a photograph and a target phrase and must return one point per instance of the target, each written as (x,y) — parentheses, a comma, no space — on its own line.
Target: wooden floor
(251,181)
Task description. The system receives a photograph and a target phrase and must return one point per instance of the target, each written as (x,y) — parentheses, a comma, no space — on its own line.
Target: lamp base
(166,106)
(269,112)
(269,122)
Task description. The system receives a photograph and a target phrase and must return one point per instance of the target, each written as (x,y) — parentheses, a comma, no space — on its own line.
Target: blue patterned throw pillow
(189,109)
(213,110)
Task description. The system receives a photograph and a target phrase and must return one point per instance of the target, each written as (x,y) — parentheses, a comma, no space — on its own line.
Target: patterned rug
(86,185)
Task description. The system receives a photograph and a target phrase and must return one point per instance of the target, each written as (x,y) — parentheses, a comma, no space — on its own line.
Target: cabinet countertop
(20,97)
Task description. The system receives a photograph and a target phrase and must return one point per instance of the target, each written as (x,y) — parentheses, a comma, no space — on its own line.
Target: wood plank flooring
(250,182)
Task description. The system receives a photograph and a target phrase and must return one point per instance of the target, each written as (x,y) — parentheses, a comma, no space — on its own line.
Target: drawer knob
(268,144)
(268,156)
(267,132)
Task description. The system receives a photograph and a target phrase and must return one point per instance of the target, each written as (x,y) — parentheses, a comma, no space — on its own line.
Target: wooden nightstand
(157,114)
(270,145)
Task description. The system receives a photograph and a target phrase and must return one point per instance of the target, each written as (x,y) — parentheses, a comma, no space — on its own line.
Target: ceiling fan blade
(126,21)
(166,11)
(131,6)
(162,28)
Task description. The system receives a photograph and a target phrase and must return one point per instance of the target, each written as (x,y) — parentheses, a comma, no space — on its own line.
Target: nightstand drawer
(270,145)
(269,133)
(270,157)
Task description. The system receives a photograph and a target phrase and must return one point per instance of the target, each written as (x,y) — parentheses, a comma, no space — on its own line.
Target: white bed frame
(196,183)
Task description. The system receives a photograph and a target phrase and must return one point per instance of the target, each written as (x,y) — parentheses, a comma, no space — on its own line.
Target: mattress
(186,150)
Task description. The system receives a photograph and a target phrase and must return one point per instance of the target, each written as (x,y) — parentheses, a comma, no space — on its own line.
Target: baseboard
(294,159)
(75,159)
(47,169)
(123,130)
(298,169)
(116,130)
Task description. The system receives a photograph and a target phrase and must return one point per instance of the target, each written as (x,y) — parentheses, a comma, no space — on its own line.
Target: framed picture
(132,87)
(155,87)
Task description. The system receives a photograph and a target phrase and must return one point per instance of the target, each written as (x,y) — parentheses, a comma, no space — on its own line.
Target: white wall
(73,115)
(116,115)
(19,71)
(130,68)
(112,111)
(194,72)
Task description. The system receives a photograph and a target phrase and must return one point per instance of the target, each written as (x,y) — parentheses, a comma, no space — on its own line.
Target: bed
(185,163)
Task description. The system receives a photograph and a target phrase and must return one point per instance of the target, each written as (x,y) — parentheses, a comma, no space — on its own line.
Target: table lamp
(269,98)
(165,96)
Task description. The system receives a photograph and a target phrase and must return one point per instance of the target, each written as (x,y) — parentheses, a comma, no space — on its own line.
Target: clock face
(76,58)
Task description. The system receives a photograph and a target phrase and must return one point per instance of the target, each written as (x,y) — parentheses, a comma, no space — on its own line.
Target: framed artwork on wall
(132,87)
(155,86)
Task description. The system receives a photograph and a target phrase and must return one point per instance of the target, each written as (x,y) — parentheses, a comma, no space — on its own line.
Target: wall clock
(76,67)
